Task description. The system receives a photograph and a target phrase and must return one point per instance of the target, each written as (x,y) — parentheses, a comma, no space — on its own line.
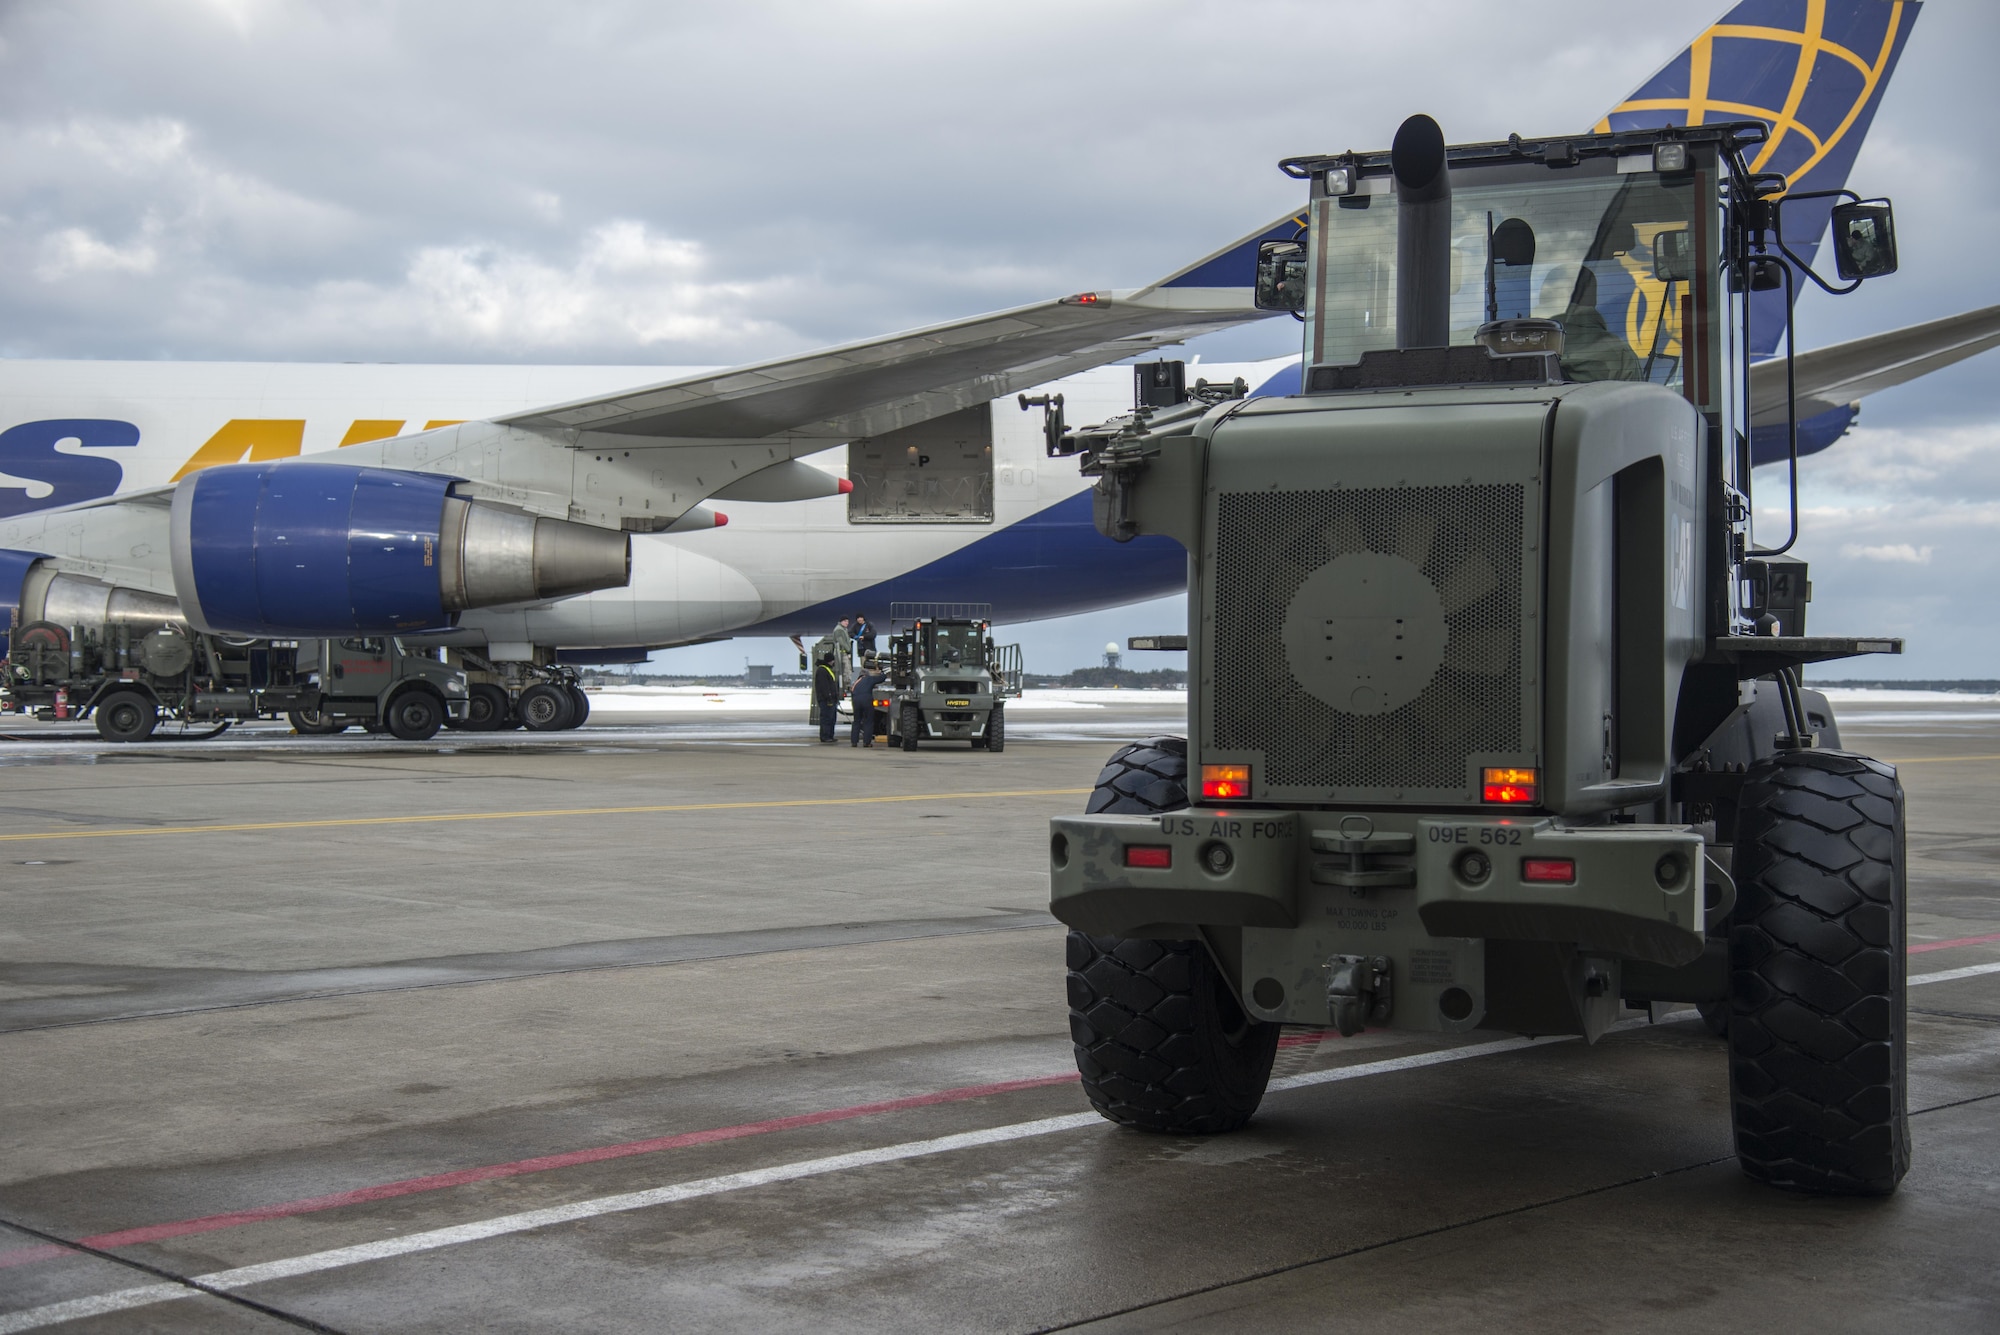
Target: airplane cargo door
(936,472)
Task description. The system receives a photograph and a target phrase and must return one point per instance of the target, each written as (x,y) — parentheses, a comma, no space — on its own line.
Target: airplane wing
(1833,377)
(878,384)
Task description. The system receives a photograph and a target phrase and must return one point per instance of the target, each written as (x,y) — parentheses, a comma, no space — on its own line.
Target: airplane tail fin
(1813,71)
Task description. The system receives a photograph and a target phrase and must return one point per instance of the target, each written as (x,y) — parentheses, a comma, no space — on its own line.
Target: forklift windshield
(959,646)
(1622,260)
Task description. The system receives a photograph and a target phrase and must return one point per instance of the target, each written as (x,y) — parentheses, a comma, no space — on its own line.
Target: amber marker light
(1225,781)
(1509,785)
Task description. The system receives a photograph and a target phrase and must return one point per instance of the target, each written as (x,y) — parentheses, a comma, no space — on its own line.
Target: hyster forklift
(1495,710)
(948,681)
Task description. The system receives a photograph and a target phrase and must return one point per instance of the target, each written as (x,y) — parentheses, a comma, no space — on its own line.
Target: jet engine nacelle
(313,549)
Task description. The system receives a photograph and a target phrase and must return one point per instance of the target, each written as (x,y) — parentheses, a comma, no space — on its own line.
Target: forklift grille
(1466,540)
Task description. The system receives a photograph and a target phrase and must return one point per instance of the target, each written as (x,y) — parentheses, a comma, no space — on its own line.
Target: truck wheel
(996,730)
(582,703)
(314,723)
(485,707)
(1816,975)
(545,708)
(415,716)
(1161,1041)
(911,725)
(126,716)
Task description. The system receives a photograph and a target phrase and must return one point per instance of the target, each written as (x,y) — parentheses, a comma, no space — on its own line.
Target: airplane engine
(282,549)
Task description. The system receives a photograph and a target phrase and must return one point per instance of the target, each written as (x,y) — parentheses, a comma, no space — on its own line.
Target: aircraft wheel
(582,703)
(415,715)
(486,707)
(1817,1025)
(126,716)
(545,708)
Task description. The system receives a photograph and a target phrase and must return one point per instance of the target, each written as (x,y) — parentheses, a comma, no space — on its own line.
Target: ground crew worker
(863,731)
(826,694)
(864,635)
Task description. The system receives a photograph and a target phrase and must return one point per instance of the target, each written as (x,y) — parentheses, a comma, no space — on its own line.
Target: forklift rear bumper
(1621,891)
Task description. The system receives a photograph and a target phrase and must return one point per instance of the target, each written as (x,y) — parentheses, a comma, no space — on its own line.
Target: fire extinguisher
(62,702)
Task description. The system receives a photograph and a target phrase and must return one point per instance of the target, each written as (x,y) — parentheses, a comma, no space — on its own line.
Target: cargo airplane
(527,511)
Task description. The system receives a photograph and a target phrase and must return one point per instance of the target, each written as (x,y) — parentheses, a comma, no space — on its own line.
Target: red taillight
(1149,855)
(1225,781)
(1557,871)
(1509,785)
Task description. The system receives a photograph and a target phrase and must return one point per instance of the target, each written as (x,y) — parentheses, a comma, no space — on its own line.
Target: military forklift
(1495,711)
(947,680)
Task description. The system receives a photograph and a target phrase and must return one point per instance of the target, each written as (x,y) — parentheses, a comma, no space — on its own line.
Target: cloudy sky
(708,183)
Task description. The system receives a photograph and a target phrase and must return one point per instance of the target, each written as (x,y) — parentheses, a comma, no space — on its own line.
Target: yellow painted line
(443,817)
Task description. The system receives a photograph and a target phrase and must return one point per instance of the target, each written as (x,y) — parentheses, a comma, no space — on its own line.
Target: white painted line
(77,1308)
(34,1318)
(1947,975)
(1421,1059)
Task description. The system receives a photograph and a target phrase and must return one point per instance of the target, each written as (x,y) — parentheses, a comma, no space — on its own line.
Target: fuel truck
(1495,711)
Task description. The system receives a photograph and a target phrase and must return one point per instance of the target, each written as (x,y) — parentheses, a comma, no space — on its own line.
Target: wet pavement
(692,1024)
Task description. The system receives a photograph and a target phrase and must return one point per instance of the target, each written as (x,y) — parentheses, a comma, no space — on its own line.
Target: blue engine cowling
(310,549)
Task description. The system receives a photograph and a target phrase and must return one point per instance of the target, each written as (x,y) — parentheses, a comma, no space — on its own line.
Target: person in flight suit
(826,694)
(863,731)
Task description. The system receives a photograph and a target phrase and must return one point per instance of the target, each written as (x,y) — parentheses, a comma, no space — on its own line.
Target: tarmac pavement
(693,1024)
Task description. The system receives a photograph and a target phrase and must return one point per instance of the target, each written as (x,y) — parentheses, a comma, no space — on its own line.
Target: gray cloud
(699,183)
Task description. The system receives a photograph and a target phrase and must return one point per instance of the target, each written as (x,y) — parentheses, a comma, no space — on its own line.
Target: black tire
(415,715)
(486,707)
(314,723)
(1161,1041)
(1144,778)
(912,726)
(582,706)
(544,708)
(126,716)
(996,729)
(1817,1028)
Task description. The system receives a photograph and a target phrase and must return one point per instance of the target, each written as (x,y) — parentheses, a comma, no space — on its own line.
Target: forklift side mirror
(1281,276)
(1864,241)
(1673,256)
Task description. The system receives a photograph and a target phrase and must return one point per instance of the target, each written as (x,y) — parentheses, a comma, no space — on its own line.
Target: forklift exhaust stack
(1423,235)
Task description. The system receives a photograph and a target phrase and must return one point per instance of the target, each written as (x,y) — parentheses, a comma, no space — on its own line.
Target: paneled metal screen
(1465,540)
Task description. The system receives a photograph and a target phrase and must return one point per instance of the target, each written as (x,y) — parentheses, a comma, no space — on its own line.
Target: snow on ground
(1870,695)
(792,699)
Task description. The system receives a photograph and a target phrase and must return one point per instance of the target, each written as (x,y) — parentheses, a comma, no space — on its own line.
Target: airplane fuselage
(988,519)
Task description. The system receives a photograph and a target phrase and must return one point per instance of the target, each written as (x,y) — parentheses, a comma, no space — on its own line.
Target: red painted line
(411,1186)
(1961,941)
(23,1255)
